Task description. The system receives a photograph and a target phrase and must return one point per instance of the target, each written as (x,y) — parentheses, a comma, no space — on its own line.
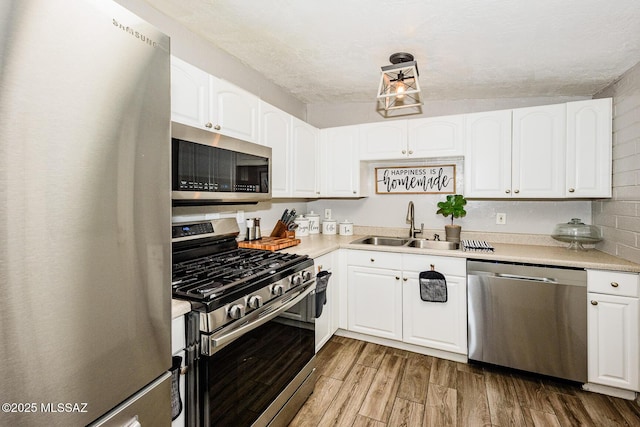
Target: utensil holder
(280,230)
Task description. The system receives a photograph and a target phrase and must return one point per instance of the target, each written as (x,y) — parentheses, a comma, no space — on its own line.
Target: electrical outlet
(327,214)
(240,217)
(501,218)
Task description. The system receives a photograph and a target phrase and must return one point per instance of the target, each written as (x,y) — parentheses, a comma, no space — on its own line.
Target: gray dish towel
(322,280)
(433,286)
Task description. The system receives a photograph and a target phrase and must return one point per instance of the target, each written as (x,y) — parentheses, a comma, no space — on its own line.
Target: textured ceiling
(332,50)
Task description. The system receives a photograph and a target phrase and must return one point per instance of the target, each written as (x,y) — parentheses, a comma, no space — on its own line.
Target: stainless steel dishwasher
(528,317)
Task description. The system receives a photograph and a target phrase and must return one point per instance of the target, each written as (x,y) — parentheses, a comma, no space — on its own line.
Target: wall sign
(433,179)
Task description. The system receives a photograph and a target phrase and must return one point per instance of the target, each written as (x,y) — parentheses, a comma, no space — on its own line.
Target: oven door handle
(211,345)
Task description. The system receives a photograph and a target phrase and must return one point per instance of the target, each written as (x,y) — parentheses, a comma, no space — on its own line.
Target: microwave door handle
(236,333)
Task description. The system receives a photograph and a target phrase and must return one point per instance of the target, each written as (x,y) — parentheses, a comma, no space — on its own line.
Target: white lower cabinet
(613,317)
(326,324)
(384,299)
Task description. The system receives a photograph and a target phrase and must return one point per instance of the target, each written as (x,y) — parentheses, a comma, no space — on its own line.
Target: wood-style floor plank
(380,399)
(376,386)
(503,402)
(440,409)
(406,413)
(345,407)
(415,379)
(472,404)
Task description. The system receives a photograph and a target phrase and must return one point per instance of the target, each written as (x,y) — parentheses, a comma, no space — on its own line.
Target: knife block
(280,230)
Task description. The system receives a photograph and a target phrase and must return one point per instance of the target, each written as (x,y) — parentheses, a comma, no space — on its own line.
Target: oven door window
(240,381)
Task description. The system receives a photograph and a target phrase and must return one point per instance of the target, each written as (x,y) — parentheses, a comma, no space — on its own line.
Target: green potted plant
(454,206)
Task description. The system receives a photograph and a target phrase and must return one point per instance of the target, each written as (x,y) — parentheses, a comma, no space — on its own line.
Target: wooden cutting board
(270,243)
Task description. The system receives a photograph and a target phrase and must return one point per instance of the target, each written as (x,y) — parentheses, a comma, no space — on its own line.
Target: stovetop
(211,277)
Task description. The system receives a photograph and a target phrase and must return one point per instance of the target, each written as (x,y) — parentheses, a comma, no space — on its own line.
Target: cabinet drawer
(177,334)
(445,265)
(613,283)
(375,259)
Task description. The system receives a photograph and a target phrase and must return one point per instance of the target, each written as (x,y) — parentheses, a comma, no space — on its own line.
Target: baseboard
(610,391)
(462,358)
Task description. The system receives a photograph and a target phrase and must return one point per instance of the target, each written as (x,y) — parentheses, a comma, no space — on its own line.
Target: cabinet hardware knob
(317,192)
(354,192)
(410,151)
(571,190)
(217,127)
(594,302)
(209,125)
(404,151)
(516,191)
(405,279)
(614,284)
(373,260)
(507,191)
(397,278)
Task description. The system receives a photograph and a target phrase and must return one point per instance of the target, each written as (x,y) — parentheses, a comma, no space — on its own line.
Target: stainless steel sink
(411,243)
(432,244)
(382,241)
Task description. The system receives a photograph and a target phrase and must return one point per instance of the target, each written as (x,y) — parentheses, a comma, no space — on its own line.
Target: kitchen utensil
(284,215)
(577,233)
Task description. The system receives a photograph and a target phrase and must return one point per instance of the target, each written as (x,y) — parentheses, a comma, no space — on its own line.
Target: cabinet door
(436,136)
(384,140)
(233,111)
(487,163)
(341,166)
(304,159)
(375,302)
(189,94)
(275,132)
(612,341)
(324,326)
(589,148)
(539,152)
(432,324)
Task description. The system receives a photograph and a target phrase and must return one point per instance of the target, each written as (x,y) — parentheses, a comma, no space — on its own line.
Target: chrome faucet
(411,220)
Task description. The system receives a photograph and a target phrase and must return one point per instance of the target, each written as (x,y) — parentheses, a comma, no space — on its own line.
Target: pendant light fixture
(399,87)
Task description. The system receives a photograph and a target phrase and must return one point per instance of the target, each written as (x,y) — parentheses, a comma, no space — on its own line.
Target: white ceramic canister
(303,226)
(314,222)
(346,228)
(329,226)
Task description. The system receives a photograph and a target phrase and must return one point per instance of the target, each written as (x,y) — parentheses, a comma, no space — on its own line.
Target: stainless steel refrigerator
(85,215)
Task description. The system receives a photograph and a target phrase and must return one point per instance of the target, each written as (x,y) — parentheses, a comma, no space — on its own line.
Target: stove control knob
(296,280)
(306,275)
(255,301)
(278,290)
(236,311)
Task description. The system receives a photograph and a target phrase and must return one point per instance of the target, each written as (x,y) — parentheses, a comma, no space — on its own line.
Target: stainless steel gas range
(251,331)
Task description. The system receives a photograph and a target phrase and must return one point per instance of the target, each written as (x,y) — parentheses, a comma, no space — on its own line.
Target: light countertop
(319,244)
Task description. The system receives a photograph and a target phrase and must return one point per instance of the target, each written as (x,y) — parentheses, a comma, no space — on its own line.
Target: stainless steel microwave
(210,168)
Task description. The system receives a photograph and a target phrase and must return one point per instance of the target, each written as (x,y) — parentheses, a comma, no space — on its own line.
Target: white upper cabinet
(275,132)
(189,94)
(436,136)
(340,170)
(383,140)
(416,138)
(233,111)
(294,151)
(487,163)
(538,152)
(304,159)
(589,148)
(201,100)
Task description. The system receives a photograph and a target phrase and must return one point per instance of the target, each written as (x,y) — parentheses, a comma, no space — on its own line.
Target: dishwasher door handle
(529,278)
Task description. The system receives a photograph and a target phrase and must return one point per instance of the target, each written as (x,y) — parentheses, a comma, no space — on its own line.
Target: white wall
(619,217)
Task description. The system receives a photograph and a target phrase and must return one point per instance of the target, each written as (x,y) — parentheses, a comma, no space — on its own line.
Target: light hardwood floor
(364,384)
